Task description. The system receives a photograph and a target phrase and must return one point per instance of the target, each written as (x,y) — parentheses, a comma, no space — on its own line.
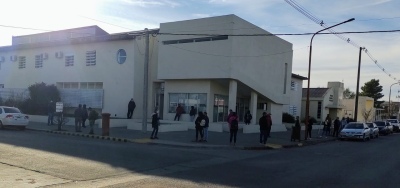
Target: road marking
(275,146)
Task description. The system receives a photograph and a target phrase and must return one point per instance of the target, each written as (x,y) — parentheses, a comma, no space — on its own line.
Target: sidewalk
(185,138)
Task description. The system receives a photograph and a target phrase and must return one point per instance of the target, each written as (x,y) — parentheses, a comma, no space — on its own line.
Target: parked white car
(12,117)
(395,123)
(374,130)
(355,130)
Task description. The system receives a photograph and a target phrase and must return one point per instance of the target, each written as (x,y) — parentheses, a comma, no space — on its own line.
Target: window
(91,58)
(293,110)
(330,97)
(79,85)
(38,61)
(319,109)
(21,62)
(186,100)
(262,106)
(294,85)
(69,60)
(121,56)
(192,40)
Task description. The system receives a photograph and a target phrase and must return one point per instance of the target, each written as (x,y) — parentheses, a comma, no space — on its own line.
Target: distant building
(324,101)
(294,106)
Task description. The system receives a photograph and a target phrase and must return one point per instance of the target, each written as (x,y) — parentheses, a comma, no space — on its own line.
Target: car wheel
(1,125)
(364,138)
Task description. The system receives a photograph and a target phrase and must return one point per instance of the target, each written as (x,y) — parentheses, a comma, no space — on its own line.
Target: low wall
(43,119)
(164,127)
(212,127)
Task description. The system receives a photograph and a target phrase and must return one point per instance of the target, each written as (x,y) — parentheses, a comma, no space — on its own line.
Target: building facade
(215,69)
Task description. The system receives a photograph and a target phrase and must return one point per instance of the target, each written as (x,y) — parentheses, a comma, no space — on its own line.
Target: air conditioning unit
(2,59)
(13,58)
(45,56)
(59,54)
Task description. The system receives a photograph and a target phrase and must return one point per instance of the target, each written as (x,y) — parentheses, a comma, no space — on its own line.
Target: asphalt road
(38,159)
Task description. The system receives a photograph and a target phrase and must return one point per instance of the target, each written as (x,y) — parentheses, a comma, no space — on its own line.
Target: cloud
(152,3)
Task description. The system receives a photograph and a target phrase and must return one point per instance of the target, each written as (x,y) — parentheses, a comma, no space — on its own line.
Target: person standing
(269,121)
(263,128)
(93,115)
(327,126)
(336,126)
(233,123)
(131,108)
(343,123)
(78,118)
(247,117)
(179,111)
(51,109)
(296,130)
(199,126)
(84,115)
(155,123)
(192,113)
(205,128)
(311,122)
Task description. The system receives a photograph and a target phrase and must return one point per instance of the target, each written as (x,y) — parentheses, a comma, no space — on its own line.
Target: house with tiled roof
(324,101)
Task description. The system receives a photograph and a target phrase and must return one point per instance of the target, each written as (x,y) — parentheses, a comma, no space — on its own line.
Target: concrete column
(253,107)
(232,95)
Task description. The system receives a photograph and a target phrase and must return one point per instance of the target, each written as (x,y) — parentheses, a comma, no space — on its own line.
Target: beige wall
(246,59)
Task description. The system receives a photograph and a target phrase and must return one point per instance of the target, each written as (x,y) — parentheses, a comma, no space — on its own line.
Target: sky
(333,59)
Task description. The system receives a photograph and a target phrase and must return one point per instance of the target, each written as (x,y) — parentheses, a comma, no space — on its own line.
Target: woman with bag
(199,124)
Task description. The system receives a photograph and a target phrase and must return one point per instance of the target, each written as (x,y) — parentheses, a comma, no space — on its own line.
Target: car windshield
(380,123)
(370,125)
(11,110)
(392,120)
(354,126)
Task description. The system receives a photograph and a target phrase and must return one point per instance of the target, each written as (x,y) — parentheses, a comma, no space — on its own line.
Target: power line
(338,34)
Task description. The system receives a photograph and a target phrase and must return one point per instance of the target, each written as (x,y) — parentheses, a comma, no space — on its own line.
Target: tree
(347,94)
(373,89)
(40,96)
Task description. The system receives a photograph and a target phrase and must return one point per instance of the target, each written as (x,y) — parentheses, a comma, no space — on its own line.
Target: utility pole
(358,84)
(145,82)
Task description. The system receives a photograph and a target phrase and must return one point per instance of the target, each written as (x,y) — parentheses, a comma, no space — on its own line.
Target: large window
(21,62)
(293,110)
(186,100)
(91,58)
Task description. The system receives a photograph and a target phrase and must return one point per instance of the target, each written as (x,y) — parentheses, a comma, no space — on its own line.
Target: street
(39,159)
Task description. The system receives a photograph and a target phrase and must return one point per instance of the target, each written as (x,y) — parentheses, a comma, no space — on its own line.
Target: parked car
(383,127)
(395,123)
(355,130)
(12,117)
(374,130)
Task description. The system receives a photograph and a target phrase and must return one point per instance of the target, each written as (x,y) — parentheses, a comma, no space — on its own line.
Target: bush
(287,118)
(40,96)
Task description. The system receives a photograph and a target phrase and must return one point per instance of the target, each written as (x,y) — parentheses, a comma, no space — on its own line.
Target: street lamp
(390,92)
(309,71)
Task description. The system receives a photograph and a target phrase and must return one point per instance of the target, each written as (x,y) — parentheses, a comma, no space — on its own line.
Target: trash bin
(105,120)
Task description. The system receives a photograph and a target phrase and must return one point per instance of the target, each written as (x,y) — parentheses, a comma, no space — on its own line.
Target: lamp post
(309,71)
(390,92)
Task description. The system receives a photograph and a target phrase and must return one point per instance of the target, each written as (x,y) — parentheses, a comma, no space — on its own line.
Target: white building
(214,67)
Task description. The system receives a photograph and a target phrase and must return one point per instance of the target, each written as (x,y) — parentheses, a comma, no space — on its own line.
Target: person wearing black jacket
(155,123)
(131,108)
(199,128)
(336,126)
(263,122)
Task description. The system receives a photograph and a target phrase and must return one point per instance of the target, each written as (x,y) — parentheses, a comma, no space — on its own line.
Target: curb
(268,146)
